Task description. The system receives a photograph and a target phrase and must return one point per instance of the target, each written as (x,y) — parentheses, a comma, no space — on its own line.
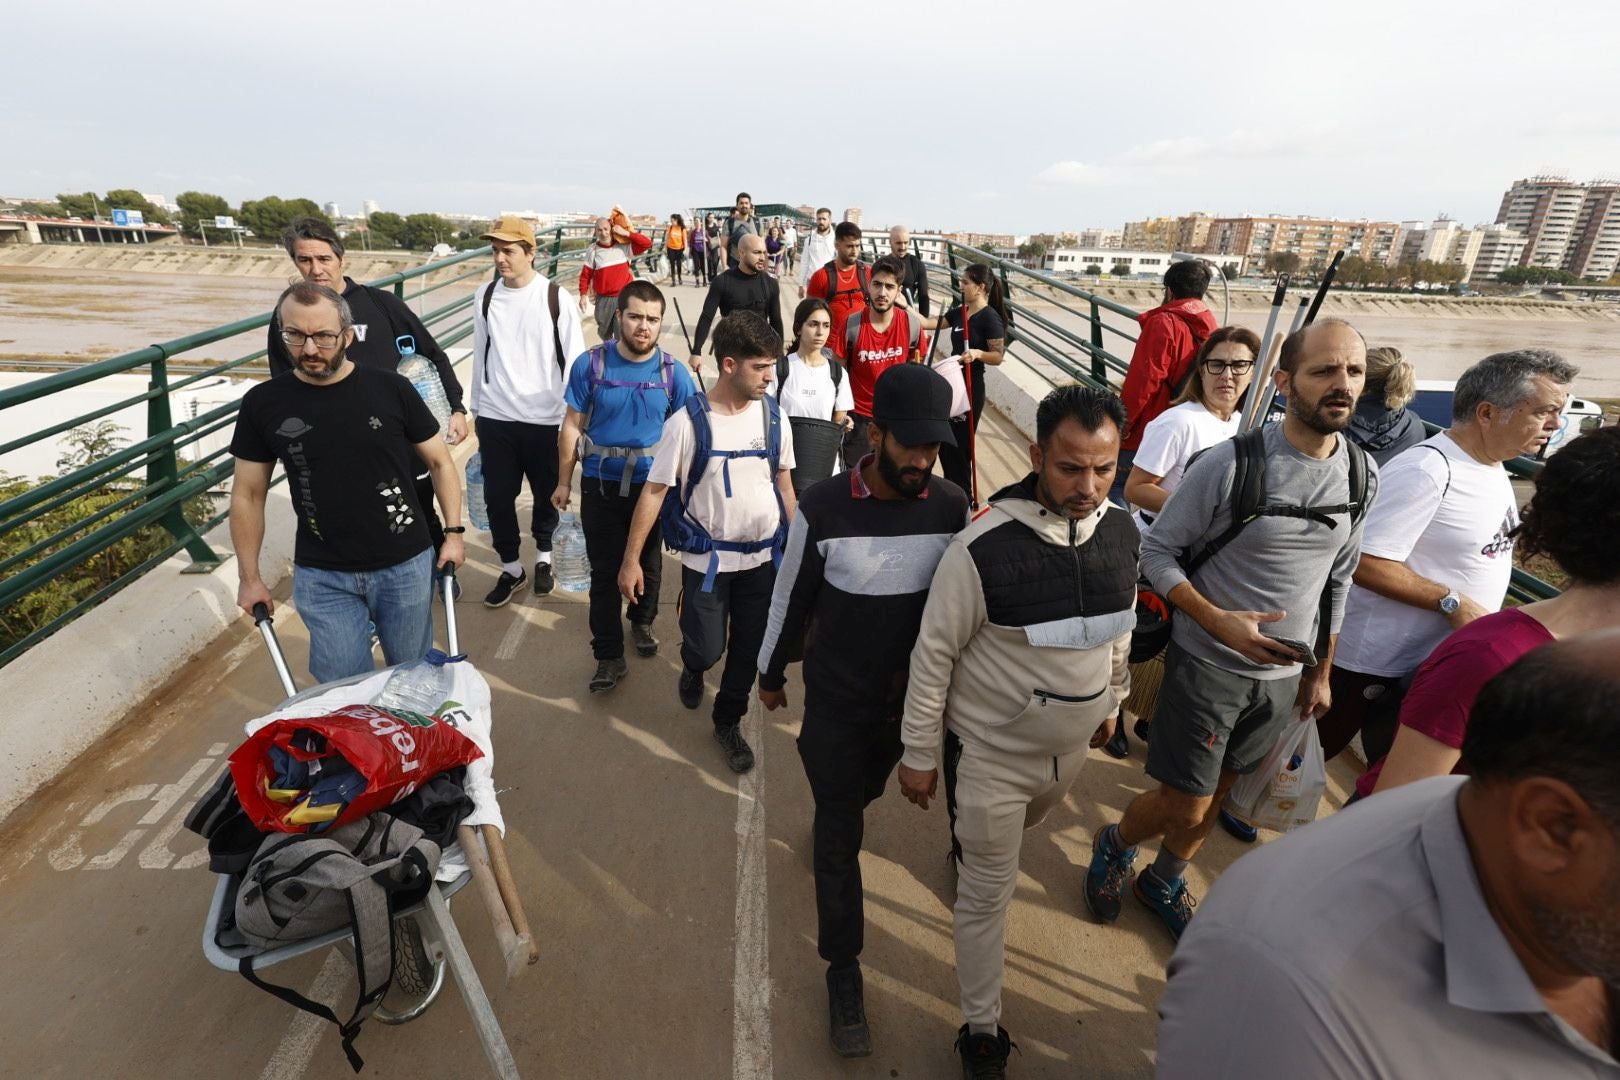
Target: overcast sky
(1012,115)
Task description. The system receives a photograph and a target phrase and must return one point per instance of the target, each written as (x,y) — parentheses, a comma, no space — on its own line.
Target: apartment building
(1312,239)
(1596,249)
(1546,209)
(1500,246)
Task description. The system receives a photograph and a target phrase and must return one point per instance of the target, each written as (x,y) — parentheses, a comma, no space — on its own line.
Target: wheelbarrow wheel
(418,977)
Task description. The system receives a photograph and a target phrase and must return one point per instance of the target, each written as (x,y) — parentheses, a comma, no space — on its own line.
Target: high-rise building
(1106,239)
(1596,251)
(1500,246)
(1192,231)
(1314,240)
(1153,234)
(370,207)
(1546,209)
(331,211)
(853,215)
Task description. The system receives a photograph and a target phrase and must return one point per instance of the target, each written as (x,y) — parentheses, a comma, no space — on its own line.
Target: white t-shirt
(810,391)
(524,382)
(750,513)
(1449,519)
(1172,438)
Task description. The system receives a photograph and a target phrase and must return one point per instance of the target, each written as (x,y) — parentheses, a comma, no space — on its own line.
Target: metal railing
(168,480)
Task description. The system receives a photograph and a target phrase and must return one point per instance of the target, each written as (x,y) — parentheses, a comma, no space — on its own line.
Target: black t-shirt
(983,328)
(348,451)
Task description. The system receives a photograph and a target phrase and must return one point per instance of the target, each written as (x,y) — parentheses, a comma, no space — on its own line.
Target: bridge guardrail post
(163,470)
(1099,369)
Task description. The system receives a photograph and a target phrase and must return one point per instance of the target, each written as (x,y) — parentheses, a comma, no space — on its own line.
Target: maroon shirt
(1444,689)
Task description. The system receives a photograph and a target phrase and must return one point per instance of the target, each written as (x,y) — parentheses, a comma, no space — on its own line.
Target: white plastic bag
(951,368)
(1287,788)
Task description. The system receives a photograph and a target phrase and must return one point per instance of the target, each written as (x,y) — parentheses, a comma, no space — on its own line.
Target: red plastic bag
(395,752)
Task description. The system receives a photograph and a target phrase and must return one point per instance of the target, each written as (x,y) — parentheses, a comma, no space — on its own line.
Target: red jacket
(1170,337)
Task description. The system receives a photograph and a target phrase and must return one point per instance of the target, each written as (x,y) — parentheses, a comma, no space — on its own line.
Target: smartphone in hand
(1302,652)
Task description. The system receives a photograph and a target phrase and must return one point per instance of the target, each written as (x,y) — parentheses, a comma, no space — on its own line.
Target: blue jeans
(1122,473)
(336,604)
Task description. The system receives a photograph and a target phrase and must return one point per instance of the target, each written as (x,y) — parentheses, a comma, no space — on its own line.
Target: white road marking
(507,650)
(297,1047)
(751,975)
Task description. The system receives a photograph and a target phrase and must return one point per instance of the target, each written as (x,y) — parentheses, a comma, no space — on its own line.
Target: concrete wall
(76,686)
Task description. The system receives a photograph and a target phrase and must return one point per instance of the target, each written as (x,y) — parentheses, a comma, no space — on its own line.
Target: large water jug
(568,559)
(477,512)
(422,686)
(421,373)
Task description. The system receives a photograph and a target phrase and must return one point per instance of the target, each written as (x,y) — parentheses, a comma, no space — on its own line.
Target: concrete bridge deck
(675,917)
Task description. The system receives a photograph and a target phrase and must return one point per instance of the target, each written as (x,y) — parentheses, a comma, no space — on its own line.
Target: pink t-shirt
(1444,689)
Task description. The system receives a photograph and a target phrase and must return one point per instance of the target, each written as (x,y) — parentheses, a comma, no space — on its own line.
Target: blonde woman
(1383,425)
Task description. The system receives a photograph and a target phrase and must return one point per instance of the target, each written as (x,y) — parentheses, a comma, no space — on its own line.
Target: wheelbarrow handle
(267,630)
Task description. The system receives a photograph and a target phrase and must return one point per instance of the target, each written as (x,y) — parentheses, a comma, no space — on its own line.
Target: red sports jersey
(874,352)
(845,298)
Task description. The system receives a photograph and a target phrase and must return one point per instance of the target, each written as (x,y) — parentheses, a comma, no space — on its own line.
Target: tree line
(265,218)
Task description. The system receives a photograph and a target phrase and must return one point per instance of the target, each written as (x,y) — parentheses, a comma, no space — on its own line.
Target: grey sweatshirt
(1276,563)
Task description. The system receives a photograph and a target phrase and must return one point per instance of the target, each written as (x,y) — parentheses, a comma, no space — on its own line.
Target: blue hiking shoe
(1172,903)
(1105,878)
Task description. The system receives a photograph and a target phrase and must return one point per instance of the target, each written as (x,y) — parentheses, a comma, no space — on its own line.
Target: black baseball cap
(913,402)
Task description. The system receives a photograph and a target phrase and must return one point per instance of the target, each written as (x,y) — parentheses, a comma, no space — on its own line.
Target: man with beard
(819,249)
(744,287)
(346,435)
(879,336)
(1451,927)
(914,286)
(740,222)
(1252,590)
(1021,666)
(606,270)
(849,596)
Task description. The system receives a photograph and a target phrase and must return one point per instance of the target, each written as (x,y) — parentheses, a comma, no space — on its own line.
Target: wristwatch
(1450,602)
(458,529)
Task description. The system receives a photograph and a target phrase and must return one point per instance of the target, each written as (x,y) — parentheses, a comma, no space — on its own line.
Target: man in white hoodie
(525,333)
(1021,665)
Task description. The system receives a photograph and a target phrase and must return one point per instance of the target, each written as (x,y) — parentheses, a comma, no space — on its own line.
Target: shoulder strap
(913,334)
(1359,480)
(1248,494)
(1443,457)
(697,408)
(831,270)
(782,371)
(489,294)
(773,435)
(836,365)
(554,300)
(852,331)
(863,280)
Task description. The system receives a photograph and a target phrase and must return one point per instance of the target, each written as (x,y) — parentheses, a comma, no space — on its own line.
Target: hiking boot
(690,688)
(846,1013)
(642,638)
(1105,879)
(984,1057)
(608,674)
(1170,902)
(739,755)
(505,586)
(1118,744)
(1239,829)
(544,579)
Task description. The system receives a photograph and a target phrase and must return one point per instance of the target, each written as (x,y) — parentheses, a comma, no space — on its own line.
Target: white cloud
(1072,174)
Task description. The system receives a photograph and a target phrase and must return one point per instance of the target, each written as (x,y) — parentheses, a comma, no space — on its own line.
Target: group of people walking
(982,651)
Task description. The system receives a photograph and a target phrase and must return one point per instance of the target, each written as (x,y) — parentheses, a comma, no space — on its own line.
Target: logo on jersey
(375,423)
(1502,542)
(293,428)
(398,508)
(359,331)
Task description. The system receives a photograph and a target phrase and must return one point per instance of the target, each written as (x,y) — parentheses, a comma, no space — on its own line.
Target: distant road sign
(125,218)
(223,222)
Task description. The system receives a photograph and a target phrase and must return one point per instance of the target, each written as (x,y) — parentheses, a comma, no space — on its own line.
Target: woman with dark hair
(813,390)
(773,249)
(978,327)
(1383,425)
(697,242)
(675,247)
(1203,414)
(1572,519)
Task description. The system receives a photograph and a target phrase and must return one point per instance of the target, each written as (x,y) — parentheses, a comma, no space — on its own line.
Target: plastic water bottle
(568,558)
(477,511)
(422,686)
(425,377)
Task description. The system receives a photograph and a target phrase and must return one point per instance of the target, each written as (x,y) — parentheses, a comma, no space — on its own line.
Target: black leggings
(676,258)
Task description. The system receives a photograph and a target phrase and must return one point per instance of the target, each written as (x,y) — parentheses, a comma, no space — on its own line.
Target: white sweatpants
(998,796)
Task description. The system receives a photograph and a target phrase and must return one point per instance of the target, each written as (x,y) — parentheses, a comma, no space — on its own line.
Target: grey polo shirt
(1361,947)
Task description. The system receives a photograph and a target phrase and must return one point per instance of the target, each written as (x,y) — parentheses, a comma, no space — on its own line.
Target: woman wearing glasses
(1203,414)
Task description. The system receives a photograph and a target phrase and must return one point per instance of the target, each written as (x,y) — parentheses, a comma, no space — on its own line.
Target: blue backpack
(683,532)
(595,376)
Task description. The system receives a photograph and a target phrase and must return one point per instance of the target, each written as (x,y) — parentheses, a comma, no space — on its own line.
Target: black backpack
(1249,504)
(863,281)
(837,366)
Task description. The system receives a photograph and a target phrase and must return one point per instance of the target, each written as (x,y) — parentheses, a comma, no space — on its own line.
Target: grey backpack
(301,885)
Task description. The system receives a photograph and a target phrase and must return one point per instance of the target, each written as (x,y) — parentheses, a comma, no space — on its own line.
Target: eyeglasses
(1236,367)
(323,339)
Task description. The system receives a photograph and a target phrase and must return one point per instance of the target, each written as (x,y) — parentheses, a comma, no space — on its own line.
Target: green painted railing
(156,480)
